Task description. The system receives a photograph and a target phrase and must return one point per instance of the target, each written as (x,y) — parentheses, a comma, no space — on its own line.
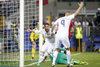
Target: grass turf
(93,59)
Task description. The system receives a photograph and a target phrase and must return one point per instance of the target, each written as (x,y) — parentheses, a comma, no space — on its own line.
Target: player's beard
(47,30)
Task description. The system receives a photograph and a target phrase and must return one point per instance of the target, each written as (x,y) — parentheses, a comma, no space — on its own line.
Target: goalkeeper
(35,40)
(61,58)
(34,37)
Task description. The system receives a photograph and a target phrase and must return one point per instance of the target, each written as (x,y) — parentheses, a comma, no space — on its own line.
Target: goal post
(40,24)
(21,33)
(22,29)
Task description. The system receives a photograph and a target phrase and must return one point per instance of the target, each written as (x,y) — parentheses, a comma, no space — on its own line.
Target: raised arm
(29,30)
(35,31)
(53,26)
(81,4)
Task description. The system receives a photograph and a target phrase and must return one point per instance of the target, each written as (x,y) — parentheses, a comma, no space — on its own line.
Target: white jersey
(64,23)
(47,35)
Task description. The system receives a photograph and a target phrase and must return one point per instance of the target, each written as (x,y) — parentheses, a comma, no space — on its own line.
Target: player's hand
(52,34)
(28,30)
(81,4)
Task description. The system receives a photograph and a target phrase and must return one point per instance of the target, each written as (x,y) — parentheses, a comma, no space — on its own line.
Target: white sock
(54,57)
(45,55)
(41,57)
(68,56)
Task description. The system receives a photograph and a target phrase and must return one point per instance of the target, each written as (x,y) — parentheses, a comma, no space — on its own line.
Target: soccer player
(34,40)
(71,29)
(49,42)
(61,58)
(62,33)
(34,37)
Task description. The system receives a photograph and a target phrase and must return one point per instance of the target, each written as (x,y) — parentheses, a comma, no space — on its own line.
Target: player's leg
(34,43)
(66,43)
(33,50)
(49,50)
(55,56)
(41,58)
(42,52)
(45,56)
(63,59)
(57,45)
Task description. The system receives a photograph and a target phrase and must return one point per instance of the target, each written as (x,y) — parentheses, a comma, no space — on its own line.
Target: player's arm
(72,29)
(29,30)
(53,26)
(35,31)
(78,10)
(56,29)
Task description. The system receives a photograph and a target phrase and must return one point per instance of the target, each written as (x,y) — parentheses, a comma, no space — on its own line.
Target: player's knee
(58,49)
(42,52)
(67,48)
(48,53)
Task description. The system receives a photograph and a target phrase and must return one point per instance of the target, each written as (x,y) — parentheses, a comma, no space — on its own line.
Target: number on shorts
(63,22)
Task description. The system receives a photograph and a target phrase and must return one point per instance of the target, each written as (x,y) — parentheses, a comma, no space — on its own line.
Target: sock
(55,57)
(68,56)
(33,52)
(45,56)
(41,57)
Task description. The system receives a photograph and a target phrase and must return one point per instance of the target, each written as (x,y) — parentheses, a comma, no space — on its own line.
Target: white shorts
(47,47)
(62,40)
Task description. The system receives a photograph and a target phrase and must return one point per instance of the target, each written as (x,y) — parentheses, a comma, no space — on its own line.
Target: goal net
(12,51)
(9,33)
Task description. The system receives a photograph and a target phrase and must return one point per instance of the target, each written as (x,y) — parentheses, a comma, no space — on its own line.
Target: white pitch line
(49,60)
(34,63)
(76,54)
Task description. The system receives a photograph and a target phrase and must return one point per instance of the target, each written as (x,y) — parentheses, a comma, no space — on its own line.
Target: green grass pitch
(93,59)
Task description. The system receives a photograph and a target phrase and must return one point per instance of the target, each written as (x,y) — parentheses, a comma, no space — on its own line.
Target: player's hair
(46,24)
(68,12)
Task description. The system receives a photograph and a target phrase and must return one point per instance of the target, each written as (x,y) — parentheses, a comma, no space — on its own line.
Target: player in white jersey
(62,33)
(48,46)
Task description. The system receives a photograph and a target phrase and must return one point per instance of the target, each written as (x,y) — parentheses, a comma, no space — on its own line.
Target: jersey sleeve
(37,31)
(71,16)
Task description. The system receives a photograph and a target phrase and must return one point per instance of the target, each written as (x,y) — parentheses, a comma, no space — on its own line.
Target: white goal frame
(22,29)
